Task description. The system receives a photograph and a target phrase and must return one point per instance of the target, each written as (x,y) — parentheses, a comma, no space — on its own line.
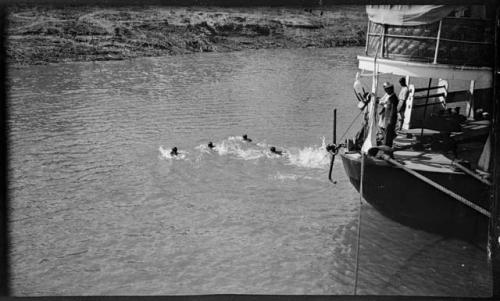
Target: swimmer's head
(210,144)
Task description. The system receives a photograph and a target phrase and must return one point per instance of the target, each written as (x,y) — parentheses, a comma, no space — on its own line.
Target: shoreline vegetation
(41,35)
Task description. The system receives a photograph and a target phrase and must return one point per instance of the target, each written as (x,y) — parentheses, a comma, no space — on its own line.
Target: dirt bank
(42,34)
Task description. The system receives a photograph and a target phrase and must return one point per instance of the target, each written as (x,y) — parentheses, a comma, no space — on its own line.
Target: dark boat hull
(412,202)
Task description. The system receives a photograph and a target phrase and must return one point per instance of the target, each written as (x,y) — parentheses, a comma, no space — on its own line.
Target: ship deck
(416,160)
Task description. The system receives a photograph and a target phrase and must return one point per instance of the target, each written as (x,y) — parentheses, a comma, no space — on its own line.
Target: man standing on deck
(389,114)
(403,96)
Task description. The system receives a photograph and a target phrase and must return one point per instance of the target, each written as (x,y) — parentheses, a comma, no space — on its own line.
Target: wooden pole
(335,126)
(425,108)
(470,103)
(334,144)
(367,38)
(383,41)
(437,42)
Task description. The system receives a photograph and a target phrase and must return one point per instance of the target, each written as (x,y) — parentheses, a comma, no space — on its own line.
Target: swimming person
(245,138)
(174,152)
(275,151)
(211,145)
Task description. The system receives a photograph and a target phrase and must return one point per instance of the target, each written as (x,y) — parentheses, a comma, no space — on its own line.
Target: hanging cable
(333,149)
(350,125)
(358,236)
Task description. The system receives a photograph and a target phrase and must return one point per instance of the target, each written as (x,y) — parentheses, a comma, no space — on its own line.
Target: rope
(350,125)
(438,186)
(470,173)
(374,91)
(334,149)
(358,236)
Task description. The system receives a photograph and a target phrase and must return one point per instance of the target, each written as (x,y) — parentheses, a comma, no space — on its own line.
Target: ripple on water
(100,207)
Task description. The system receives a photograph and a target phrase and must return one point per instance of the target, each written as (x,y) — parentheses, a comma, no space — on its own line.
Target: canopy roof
(481,75)
(408,15)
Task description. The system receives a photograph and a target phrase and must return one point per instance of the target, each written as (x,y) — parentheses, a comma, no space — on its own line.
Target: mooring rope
(358,236)
(334,149)
(374,91)
(350,125)
(470,173)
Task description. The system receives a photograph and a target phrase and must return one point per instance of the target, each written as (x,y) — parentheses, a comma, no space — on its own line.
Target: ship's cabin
(445,55)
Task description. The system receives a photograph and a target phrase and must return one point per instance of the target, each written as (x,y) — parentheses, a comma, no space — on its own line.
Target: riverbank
(39,35)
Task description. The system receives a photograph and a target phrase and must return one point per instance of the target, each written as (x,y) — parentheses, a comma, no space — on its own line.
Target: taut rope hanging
(358,236)
(333,149)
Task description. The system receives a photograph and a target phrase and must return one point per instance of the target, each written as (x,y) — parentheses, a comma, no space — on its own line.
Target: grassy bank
(39,35)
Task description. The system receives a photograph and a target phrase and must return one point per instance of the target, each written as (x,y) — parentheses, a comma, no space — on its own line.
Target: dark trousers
(390,134)
(401,119)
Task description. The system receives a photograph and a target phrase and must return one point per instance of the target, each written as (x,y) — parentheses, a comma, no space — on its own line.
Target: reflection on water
(100,207)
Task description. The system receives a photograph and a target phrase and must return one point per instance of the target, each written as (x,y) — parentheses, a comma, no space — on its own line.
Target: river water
(99,207)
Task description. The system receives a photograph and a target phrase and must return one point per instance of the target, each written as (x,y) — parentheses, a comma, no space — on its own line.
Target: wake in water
(314,156)
(284,177)
(165,153)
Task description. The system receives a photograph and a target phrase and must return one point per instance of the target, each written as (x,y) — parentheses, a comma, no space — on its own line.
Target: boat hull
(405,199)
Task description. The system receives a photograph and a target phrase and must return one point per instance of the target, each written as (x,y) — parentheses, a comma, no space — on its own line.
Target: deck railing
(456,41)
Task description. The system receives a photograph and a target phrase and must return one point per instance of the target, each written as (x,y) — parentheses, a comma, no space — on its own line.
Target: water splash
(235,145)
(165,153)
(314,156)
(310,156)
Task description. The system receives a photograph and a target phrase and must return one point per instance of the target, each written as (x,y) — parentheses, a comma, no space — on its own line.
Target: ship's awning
(481,75)
(408,15)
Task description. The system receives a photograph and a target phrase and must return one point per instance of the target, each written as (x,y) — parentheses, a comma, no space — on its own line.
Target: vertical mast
(4,206)
(494,226)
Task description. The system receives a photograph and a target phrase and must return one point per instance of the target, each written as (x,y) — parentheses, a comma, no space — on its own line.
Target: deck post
(425,107)
(367,38)
(383,41)
(470,103)
(437,42)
